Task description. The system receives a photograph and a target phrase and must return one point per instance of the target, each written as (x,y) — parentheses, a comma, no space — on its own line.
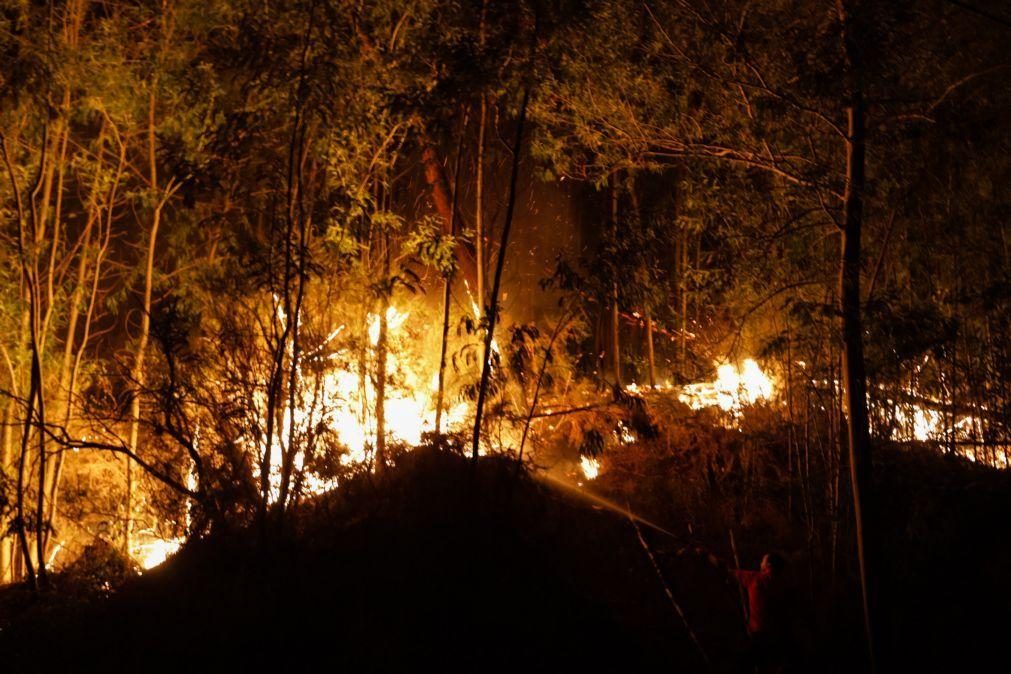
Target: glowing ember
(590,467)
(626,434)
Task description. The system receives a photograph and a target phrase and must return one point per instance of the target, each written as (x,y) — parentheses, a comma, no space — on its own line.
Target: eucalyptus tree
(65,161)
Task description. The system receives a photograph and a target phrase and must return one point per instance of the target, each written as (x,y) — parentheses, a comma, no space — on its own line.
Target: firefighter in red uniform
(768,611)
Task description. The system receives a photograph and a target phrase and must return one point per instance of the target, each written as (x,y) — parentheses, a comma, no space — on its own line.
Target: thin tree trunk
(71,391)
(275,408)
(382,349)
(69,367)
(650,358)
(6,543)
(54,175)
(29,276)
(492,310)
(70,371)
(479,247)
(598,347)
(447,296)
(271,408)
(854,373)
(39,209)
(537,388)
(26,553)
(791,438)
(40,496)
(444,199)
(65,369)
(54,248)
(296,210)
(615,324)
(448,288)
(684,304)
(678,298)
(137,374)
(9,568)
(479,233)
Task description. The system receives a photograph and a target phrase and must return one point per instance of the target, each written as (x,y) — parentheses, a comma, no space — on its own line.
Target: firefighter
(768,611)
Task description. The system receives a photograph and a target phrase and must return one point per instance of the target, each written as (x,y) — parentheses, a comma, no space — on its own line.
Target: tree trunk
(66,367)
(447,297)
(382,347)
(615,337)
(54,247)
(615,324)
(562,322)
(39,209)
(30,293)
(137,372)
(6,543)
(443,198)
(382,356)
(853,370)
(650,358)
(448,287)
(480,252)
(26,553)
(683,346)
(854,375)
(72,360)
(40,496)
(492,310)
(479,247)
(276,407)
(296,212)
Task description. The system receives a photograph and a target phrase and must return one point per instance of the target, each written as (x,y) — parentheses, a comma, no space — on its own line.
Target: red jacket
(766,602)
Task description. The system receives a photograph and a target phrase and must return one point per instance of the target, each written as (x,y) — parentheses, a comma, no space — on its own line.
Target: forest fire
(331,300)
(409,404)
(961,434)
(733,388)
(152,551)
(410,413)
(342,400)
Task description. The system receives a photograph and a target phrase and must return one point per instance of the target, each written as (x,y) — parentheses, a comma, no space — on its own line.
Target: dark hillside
(430,570)
(441,566)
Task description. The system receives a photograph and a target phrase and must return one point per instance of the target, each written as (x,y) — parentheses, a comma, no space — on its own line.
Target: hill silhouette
(446,565)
